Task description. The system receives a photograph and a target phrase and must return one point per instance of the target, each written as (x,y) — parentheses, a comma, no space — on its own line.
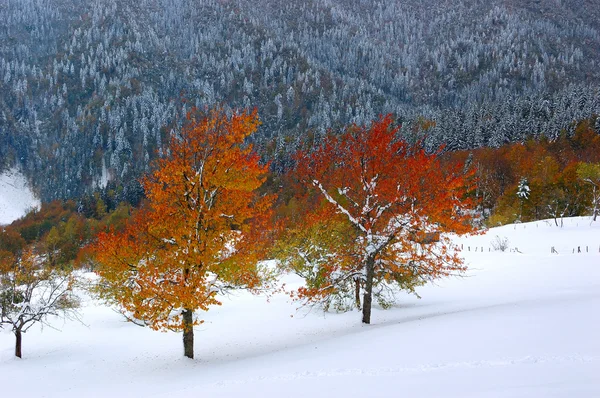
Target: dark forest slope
(89,90)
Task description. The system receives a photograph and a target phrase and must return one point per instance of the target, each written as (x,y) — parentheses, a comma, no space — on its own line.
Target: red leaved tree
(200,233)
(390,206)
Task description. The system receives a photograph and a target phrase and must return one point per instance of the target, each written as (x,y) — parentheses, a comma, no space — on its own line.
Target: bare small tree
(500,243)
(590,173)
(31,291)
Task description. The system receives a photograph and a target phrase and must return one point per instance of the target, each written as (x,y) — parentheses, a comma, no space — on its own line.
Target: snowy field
(523,323)
(15,196)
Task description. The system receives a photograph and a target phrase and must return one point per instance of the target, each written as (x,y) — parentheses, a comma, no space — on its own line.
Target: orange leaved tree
(199,233)
(393,206)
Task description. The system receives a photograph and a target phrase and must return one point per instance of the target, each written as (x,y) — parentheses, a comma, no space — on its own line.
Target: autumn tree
(314,249)
(590,174)
(11,241)
(200,232)
(393,203)
(567,195)
(32,291)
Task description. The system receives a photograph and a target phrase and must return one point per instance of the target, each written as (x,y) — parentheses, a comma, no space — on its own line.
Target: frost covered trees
(199,233)
(31,291)
(523,191)
(86,103)
(390,206)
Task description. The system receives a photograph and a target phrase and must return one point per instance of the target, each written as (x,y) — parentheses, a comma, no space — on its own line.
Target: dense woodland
(90,91)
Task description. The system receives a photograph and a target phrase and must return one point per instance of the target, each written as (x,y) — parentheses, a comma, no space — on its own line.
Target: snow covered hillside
(16,197)
(524,323)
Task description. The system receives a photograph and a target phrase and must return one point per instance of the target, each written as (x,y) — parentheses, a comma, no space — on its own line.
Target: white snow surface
(16,198)
(523,323)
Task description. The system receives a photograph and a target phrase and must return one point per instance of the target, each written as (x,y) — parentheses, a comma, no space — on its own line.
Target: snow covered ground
(524,323)
(16,198)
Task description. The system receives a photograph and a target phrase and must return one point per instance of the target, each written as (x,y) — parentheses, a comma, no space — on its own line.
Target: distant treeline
(90,90)
(530,180)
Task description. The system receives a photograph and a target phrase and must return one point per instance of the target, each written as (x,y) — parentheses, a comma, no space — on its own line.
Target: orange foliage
(201,230)
(547,166)
(393,196)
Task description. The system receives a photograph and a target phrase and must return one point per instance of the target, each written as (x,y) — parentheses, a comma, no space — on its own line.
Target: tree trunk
(188,333)
(595,202)
(18,340)
(357,292)
(368,296)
